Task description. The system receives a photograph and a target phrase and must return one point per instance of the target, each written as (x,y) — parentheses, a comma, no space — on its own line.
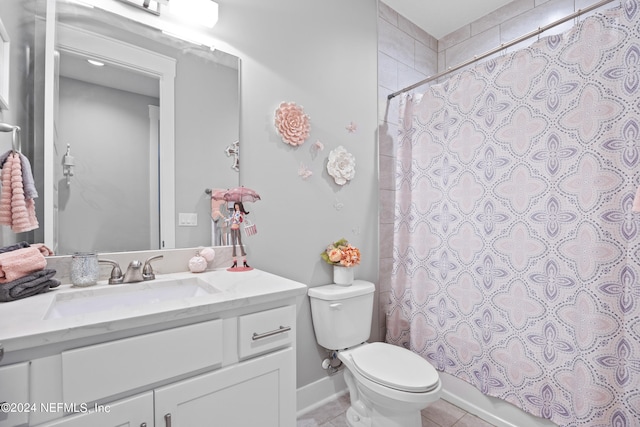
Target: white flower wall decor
(341,165)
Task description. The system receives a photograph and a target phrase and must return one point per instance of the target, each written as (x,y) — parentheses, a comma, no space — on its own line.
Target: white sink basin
(126,296)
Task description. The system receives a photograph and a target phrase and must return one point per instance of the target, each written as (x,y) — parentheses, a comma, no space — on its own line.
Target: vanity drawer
(14,390)
(102,370)
(266,331)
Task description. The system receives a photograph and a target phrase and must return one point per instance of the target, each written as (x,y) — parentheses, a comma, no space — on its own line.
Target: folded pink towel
(44,250)
(636,202)
(20,263)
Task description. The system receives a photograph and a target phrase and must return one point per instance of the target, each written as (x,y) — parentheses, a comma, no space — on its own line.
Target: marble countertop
(36,320)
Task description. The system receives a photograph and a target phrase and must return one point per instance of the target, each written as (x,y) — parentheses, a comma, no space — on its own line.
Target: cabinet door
(260,392)
(136,411)
(14,390)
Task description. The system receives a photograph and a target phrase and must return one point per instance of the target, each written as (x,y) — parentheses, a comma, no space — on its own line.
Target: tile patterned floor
(439,414)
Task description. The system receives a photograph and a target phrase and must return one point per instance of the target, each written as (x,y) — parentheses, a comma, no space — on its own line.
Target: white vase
(342,276)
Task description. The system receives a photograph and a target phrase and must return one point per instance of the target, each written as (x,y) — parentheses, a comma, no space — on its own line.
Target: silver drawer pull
(257,336)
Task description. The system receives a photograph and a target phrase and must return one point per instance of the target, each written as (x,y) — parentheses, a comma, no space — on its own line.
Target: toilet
(388,385)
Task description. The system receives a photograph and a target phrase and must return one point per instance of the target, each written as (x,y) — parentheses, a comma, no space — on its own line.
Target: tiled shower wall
(407,54)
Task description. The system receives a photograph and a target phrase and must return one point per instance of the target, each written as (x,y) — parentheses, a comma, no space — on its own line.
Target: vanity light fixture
(95,63)
(189,20)
(203,12)
(151,6)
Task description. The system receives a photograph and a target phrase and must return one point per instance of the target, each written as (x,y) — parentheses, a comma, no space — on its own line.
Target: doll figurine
(236,218)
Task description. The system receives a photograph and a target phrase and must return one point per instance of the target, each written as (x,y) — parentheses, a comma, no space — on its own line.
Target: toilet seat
(410,373)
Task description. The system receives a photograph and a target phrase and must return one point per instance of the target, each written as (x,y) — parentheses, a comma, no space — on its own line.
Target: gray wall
(321,55)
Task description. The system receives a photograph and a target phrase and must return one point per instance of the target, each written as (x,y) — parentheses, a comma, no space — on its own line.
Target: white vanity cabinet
(14,386)
(253,393)
(234,370)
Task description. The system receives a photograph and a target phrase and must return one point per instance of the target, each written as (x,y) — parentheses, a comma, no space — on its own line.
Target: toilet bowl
(391,385)
(388,385)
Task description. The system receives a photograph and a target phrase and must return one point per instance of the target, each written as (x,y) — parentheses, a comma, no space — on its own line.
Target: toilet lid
(410,372)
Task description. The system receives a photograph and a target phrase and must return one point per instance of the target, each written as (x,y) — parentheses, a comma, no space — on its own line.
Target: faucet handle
(116,273)
(147,270)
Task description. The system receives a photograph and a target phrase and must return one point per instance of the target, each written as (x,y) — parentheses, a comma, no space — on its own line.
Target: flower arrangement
(341,165)
(341,253)
(292,123)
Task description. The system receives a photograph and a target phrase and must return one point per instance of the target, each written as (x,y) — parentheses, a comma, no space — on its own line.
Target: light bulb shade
(202,12)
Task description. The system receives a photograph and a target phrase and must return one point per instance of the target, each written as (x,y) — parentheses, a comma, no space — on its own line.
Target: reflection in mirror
(116,140)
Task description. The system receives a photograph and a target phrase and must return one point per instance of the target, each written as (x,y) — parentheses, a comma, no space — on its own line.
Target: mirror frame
(5,50)
(84,43)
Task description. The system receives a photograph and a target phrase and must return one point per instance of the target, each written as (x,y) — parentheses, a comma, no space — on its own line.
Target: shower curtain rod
(501,47)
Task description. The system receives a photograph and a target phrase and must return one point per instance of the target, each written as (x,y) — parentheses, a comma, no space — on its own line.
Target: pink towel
(20,263)
(44,250)
(636,202)
(5,194)
(16,209)
(215,206)
(20,216)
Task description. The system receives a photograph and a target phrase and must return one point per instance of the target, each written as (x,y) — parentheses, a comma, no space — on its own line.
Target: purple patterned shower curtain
(516,254)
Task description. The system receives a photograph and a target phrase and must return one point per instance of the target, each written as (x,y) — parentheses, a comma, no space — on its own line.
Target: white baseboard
(498,412)
(320,392)
(454,390)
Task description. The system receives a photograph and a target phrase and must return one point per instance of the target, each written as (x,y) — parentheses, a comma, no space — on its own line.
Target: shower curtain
(516,254)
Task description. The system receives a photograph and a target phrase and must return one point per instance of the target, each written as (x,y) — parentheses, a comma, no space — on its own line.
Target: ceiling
(441,17)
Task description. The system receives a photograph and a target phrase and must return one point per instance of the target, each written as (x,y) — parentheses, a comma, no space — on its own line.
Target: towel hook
(15,143)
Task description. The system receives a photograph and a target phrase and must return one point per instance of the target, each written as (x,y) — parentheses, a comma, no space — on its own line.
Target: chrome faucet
(136,271)
(116,273)
(147,270)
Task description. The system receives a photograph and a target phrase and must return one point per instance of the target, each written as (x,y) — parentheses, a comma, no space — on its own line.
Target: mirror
(134,144)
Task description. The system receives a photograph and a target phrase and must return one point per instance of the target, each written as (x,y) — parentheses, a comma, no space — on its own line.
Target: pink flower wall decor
(292,123)
(304,172)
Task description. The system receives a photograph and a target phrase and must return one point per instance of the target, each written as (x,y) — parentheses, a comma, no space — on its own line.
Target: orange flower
(350,256)
(335,255)
(341,253)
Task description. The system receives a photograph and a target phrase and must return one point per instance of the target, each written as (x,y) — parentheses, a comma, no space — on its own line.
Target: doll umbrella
(236,194)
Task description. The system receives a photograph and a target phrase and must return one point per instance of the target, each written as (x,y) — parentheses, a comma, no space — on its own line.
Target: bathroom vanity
(215,348)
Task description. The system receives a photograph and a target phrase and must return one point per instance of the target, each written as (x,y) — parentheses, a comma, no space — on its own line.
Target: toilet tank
(342,314)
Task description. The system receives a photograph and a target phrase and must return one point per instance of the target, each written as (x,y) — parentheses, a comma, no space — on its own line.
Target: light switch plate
(187,219)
